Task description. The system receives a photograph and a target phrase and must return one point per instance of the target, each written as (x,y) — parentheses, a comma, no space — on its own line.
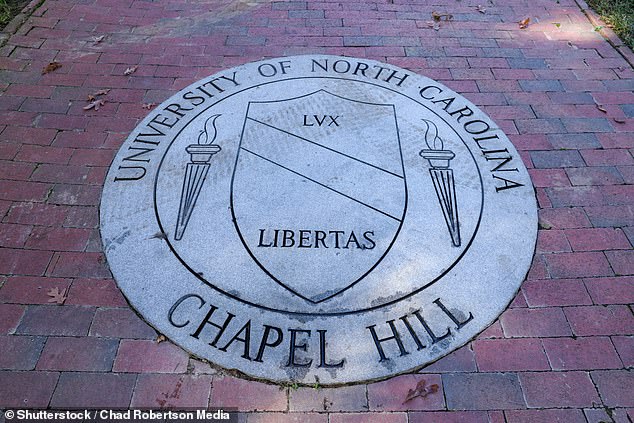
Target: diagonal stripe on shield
(318,207)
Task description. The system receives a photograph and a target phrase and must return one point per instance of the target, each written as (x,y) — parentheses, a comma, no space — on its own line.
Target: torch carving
(196,172)
(442,177)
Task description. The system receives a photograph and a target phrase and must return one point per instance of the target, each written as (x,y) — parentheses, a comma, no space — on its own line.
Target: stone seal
(318,219)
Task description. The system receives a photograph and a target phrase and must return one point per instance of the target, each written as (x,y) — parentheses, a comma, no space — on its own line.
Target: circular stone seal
(318,219)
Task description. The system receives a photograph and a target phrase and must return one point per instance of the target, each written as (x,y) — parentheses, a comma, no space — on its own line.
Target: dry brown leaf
(421,390)
(131,70)
(619,120)
(160,339)
(148,106)
(600,107)
(97,40)
(95,105)
(524,23)
(102,92)
(51,67)
(91,97)
(439,16)
(481,9)
(56,296)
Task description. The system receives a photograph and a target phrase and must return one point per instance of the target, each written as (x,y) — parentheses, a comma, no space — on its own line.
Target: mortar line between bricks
(50,400)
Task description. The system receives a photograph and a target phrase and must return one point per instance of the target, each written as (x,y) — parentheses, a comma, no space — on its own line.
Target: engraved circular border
(134,284)
(263,307)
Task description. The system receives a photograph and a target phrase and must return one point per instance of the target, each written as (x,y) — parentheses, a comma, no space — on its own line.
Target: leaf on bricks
(97,40)
(619,120)
(53,66)
(131,70)
(481,9)
(600,107)
(160,339)
(93,96)
(148,106)
(524,23)
(95,105)
(421,390)
(56,296)
(441,16)
(557,24)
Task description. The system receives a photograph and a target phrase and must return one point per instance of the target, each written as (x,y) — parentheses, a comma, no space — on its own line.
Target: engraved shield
(318,197)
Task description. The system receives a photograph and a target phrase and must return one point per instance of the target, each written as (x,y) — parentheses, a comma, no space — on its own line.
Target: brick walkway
(563,351)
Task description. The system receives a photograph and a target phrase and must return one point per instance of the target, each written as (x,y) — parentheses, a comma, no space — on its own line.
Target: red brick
(16,170)
(564,218)
(600,320)
(611,216)
(347,398)
(460,360)
(97,292)
(539,322)
(13,236)
(621,261)
(56,320)
(61,174)
(597,239)
(581,353)
(509,355)
(244,395)
(78,354)
(58,239)
(606,175)
(448,417)
(171,391)
(615,387)
(493,331)
(575,265)
(619,194)
(31,289)
(150,356)
(545,416)
(37,214)
(43,154)
(20,352)
(10,316)
(287,418)
(92,157)
(483,391)
(75,195)
(597,415)
(33,91)
(28,135)
(93,390)
(120,323)
(538,268)
(610,157)
(549,178)
(555,292)
(559,389)
(575,196)
(27,389)
(625,348)
(552,241)
(82,217)
(390,395)
(23,191)
(607,291)
(23,262)
(84,265)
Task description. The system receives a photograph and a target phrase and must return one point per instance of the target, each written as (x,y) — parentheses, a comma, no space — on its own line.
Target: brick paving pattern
(563,92)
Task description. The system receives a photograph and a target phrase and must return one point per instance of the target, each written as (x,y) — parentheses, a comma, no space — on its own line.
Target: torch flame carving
(442,177)
(196,172)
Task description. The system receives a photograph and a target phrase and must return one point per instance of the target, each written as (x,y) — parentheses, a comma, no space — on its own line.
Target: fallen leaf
(102,92)
(51,67)
(524,23)
(160,339)
(97,40)
(481,9)
(421,390)
(557,24)
(130,71)
(56,296)
(148,106)
(91,97)
(95,105)
(159,235)
(600,107)
(619,120)
(439,16)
